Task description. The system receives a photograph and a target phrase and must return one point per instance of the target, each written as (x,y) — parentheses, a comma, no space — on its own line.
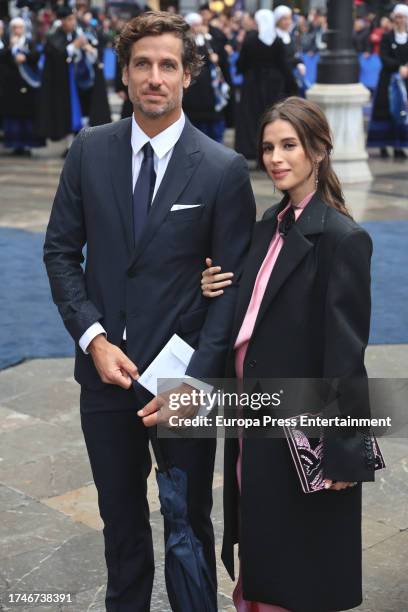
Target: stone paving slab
(385,576)
(21,381)
(55,402)
(50,475)
(75,564)
(387,500)
(26,526)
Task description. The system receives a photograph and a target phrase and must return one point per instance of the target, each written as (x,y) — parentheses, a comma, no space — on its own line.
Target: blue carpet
(389,285)
(30,326)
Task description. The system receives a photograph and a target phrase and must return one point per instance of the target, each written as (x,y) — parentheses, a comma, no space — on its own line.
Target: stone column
(341,96)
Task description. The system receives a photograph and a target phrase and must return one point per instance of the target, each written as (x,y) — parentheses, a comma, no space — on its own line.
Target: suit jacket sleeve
(64,241)
(234,216)
(347,324)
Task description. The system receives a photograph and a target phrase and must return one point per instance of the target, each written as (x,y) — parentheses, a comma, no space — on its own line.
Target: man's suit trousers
(117,444)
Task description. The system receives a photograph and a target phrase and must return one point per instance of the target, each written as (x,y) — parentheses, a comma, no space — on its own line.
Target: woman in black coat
(286,32)
(267,78)
(21,79)
(303,312)
(384,128)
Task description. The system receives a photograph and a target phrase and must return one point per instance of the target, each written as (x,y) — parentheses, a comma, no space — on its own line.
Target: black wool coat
(267,79)
(301,551)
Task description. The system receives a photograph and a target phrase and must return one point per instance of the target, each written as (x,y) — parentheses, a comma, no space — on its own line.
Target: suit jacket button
(252,363)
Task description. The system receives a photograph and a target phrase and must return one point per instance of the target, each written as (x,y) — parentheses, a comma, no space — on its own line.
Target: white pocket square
(183,206)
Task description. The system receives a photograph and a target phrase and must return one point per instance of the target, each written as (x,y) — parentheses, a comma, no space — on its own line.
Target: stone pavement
(50,538)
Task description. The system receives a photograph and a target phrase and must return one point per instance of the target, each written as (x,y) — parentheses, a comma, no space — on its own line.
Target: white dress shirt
(163,145)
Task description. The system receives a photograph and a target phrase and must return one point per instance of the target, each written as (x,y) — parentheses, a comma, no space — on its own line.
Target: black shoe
(400,154)
(384,153)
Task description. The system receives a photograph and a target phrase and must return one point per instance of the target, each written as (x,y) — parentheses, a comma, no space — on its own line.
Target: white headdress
(193,19)
(400,9)
(266,26)
(281,11)
(17,21)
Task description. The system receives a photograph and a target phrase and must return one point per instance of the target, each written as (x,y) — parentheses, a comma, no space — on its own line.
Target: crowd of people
(52,74)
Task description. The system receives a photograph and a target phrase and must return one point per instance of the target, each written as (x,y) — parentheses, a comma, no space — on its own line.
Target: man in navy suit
(150,197)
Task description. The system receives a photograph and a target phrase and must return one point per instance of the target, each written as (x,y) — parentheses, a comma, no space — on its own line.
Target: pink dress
(241,345)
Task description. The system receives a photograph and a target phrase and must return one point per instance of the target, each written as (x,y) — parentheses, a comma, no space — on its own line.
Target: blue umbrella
(187,573)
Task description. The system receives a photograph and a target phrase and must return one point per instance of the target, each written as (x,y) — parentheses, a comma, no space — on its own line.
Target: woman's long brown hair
(313,131)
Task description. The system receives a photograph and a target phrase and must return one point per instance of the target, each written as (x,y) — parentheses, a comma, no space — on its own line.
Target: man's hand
(113,366)
(158,412)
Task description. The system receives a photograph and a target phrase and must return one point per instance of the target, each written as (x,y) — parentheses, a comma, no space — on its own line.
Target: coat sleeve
(244,60)
(347,324)
(284,64)
(388,59)
(64,242)
(234,217)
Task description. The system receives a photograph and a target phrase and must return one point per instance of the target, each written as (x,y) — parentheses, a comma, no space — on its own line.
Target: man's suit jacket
(153,287)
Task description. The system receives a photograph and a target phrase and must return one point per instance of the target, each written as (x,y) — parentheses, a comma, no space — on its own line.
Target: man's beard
(154,113)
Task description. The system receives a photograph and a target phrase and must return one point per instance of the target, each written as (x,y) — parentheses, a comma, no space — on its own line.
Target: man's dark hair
(155,23)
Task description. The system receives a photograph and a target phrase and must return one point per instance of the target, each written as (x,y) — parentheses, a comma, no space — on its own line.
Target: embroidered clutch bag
(307,455)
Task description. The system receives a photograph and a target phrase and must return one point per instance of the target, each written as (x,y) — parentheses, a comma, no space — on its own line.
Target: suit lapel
(296,247)
(120,154)
(184,161)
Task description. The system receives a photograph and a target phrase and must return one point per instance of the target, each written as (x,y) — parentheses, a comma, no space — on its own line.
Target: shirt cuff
(86,338)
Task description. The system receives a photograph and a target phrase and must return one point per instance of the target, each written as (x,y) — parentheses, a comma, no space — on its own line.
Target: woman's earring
(316,175)
(274,187)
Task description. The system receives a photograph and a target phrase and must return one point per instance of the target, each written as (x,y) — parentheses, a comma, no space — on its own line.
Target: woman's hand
(213,282)
(338,485)
(20,58)
(403,72)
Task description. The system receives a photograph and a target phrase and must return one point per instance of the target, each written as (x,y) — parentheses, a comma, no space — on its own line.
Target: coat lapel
(262,236)
(296,247)
(184,161)
(120,154)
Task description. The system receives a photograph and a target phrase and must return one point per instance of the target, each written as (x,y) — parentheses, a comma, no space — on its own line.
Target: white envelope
(170,364)
(183,206)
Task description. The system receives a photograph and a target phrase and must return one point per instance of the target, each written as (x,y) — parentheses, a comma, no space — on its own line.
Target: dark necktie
(143,193)
(287,222)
